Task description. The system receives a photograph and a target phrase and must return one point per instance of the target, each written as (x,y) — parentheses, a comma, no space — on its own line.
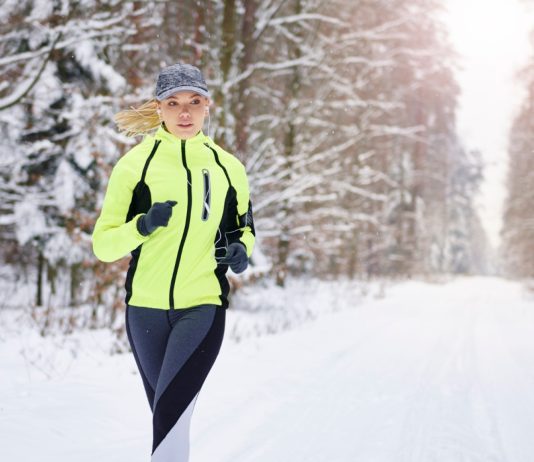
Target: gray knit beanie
(180,77)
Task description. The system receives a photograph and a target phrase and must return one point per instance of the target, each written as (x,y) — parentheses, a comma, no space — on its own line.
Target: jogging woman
(180,205)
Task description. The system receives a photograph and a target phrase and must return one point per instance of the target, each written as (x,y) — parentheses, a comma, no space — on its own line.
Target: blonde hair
(138,120)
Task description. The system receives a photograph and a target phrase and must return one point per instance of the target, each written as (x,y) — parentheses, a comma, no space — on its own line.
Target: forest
(343,113)
(518,232)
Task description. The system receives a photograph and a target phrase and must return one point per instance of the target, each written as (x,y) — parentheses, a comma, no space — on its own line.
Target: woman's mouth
(185,125)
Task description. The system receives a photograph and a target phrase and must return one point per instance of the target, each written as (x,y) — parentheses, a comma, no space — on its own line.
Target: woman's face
(184,113)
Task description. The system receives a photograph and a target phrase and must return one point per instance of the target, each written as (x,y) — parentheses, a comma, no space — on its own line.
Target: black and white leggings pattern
(174,351)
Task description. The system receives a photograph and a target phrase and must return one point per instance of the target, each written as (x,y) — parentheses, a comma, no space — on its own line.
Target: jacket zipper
(186,228)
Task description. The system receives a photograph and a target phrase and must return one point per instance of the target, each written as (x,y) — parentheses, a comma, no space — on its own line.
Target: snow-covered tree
(54,116)
(518,228)
(343,113)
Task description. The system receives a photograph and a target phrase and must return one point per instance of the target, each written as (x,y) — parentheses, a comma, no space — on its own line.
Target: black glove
(236,257)
(158,215)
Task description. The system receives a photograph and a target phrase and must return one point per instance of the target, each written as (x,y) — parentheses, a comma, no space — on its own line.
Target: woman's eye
(195,101)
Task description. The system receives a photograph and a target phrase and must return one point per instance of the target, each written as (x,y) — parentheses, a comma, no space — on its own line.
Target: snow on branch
(407,132)
(26,87)
(289,194)
(344,186)
(375,33)
(60,45)
(289,64)
(344,146)
(368,62)
(418,53)
(306,17)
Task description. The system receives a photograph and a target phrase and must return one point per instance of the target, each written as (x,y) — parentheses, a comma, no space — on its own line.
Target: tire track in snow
(447,419)
(409,379)
(308,395)
(508,381)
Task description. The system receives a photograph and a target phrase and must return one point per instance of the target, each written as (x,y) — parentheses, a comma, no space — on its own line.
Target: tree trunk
(40,270)
(242,111)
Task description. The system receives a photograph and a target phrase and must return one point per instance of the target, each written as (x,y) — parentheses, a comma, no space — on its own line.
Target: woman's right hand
(158,215)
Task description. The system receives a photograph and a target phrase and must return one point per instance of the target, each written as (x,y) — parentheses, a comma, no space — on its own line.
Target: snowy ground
(430,373)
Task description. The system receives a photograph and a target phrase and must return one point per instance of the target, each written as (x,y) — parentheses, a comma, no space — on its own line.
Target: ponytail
(140,120)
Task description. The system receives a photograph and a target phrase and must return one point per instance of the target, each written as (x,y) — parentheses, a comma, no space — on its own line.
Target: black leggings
(174,351)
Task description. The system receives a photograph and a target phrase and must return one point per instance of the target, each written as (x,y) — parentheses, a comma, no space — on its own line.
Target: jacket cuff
(141,227)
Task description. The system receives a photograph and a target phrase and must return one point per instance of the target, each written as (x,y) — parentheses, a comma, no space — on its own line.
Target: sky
(492,40)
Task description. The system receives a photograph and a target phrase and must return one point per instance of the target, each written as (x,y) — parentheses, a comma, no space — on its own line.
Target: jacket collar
(164,135)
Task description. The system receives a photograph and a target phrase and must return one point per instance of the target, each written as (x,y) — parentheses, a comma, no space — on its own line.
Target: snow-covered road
(431,373)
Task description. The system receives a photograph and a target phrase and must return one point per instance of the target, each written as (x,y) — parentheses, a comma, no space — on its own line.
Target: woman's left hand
(236,257)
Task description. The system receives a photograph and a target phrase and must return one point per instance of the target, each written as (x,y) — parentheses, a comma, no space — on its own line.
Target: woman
(180,204)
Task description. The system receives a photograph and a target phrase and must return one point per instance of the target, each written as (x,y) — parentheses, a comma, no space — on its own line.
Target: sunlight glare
(488,28)
(491,38)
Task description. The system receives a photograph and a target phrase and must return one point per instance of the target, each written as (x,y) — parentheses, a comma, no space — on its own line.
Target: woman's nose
(184,112)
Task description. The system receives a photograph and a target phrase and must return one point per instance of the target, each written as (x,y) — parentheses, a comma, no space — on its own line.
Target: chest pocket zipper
(206,202)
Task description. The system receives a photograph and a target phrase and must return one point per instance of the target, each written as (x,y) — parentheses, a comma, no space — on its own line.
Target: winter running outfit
(182,208)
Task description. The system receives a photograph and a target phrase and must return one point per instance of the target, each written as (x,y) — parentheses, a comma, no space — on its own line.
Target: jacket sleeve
(245,219)
(113,237)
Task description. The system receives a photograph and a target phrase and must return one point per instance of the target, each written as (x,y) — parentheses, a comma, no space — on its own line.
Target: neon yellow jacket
(176,266)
